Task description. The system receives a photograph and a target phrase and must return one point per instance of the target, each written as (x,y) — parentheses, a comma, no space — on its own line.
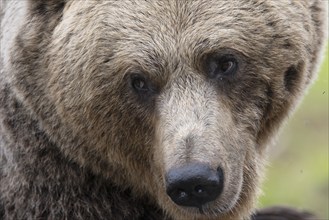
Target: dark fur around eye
(141,85)
(221,66)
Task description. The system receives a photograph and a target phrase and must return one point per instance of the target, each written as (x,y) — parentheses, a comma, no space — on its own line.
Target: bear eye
(222,67)
(226,67)
(139,83)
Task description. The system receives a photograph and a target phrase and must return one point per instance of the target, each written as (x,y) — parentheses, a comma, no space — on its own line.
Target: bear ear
(46,7)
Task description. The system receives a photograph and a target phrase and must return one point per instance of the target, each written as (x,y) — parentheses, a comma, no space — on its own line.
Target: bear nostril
(199,189)
(180,194)
(194,184)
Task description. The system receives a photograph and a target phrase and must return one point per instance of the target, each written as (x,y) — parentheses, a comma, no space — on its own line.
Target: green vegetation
(298,171)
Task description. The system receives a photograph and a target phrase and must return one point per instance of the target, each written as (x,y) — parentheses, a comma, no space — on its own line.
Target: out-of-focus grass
(298,174)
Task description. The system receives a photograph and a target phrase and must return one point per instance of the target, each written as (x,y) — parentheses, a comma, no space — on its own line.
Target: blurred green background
(298,171)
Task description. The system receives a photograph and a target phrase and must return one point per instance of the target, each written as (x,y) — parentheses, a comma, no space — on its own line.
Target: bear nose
(194,184)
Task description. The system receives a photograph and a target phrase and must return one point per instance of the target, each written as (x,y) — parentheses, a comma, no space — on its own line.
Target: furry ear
(49,13)
(46,8)
(319,16)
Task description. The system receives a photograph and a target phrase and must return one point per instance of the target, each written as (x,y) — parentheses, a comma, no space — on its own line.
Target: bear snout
(194,184)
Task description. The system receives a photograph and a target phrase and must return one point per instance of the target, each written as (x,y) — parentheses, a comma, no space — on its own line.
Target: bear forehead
(156,34)
(179,25)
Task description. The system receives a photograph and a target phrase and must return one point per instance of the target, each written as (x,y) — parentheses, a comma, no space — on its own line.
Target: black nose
(194,184)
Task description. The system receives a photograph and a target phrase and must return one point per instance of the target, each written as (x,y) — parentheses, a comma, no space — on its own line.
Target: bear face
(157,95)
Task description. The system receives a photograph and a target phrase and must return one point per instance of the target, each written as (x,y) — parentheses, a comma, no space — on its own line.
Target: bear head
(175,99)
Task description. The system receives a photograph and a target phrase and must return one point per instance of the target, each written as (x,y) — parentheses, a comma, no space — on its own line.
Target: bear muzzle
(194,184)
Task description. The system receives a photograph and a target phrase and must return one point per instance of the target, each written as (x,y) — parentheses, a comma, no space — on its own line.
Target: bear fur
(99,99)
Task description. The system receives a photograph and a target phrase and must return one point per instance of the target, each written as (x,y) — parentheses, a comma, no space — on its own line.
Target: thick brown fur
(77,142)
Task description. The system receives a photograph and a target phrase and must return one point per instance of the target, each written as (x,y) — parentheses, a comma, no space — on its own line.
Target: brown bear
(151,109)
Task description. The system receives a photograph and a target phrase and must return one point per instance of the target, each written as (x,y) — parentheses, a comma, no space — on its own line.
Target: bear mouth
(207,210)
